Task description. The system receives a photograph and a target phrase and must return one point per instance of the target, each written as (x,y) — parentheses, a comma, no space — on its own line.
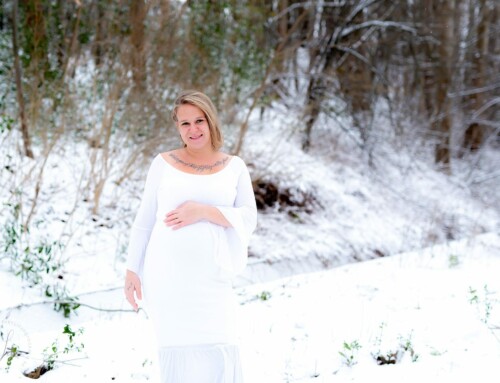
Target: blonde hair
(201,100)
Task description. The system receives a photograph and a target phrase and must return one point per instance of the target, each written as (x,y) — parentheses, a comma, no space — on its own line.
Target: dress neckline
(195,174)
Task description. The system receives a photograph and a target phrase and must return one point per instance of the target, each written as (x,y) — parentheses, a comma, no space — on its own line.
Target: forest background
(361,84)
(434,61)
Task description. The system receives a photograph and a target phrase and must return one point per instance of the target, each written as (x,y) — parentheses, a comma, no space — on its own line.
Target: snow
(296,334)
(391,255)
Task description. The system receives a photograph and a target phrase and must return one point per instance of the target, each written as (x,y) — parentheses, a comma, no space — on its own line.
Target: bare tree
(100,31)
(19,83)
(276,61)
(442,122)
(474,134)
(343,59)
(138,11)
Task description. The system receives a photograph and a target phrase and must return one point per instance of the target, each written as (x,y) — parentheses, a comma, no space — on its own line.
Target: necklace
(199,168)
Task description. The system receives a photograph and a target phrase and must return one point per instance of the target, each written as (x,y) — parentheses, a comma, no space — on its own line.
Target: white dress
(186,273)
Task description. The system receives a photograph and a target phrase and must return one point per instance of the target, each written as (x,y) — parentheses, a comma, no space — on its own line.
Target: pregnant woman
(189,238)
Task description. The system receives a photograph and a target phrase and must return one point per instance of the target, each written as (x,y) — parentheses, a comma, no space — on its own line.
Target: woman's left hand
(187,213)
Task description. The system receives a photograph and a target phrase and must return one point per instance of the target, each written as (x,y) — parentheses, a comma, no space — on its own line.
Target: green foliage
(31,29)
(6,123)
(63,301)
(378,341)
(53,352)
(393,355)
(14,342)
(349,352)
(37,262)
(229,41)
(406,344)
(473,297)
(30,261)
(71,344)
(264,296)
(33,263)
(482,300)
(43,26)
(5,53)
(453,260)
(11,354)
(435,352)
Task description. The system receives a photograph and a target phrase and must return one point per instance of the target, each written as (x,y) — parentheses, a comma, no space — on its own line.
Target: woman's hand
(132,284)
(187,213)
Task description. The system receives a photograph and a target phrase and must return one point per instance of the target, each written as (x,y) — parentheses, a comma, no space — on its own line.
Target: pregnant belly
(186,253)
(183,285)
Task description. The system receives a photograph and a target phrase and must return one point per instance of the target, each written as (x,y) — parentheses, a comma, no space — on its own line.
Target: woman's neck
(201,154)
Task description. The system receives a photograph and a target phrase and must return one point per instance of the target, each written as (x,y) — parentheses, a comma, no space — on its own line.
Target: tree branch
(25,305)
(19,84)
(322,4)
(378,23)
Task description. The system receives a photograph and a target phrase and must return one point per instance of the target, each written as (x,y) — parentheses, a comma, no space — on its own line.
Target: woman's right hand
(132,284)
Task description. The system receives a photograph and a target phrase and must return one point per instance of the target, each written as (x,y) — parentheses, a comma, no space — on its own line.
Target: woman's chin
(197,144)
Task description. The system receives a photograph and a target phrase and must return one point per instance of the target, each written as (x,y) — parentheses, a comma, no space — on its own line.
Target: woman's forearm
(212,214)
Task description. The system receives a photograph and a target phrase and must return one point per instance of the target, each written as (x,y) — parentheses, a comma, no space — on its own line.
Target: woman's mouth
(196,137)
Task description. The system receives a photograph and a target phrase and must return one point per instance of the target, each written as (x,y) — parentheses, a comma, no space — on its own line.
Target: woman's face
(193,127)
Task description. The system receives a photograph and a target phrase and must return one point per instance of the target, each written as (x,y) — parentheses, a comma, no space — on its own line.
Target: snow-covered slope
(346,210)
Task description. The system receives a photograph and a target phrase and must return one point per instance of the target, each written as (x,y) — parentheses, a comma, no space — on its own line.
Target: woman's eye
(199,121)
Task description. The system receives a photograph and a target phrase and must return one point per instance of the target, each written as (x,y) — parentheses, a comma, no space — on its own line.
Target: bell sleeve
(144,220)
(232,254)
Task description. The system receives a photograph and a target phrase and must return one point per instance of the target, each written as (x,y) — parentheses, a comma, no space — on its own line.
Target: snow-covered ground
(437,309)
(396,260)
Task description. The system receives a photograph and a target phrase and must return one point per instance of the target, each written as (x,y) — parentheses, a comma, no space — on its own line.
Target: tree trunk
(280,66)
(314,97)
(38,41)
(19,84)
(278,54)
(442,118)
(138,12)
(36,45)
(321,57)
(100,31)
(73,43)
(474,133)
